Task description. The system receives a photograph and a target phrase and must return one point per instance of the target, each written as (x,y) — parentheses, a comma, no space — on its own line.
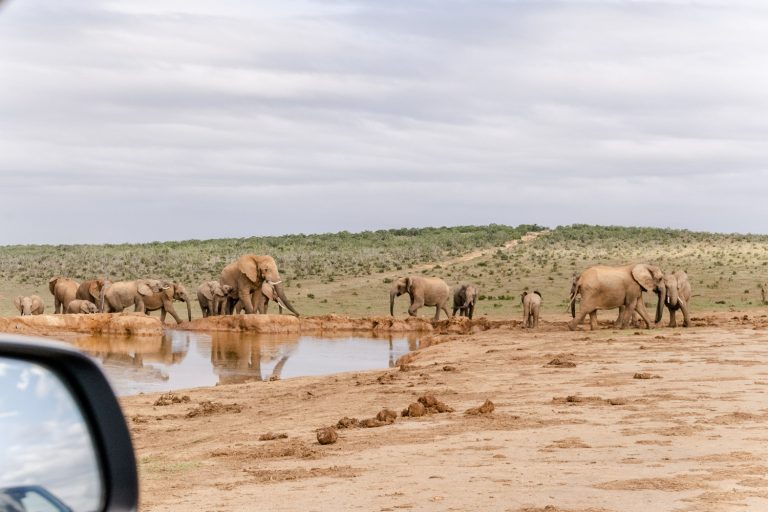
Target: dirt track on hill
(666,419)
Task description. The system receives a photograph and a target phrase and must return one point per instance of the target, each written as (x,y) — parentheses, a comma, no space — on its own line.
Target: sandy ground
(666,419)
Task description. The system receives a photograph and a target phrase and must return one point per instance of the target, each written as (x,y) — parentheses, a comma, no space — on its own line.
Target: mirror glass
(47,458)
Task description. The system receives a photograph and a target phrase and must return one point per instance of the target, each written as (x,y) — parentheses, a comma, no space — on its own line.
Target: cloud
(143,121)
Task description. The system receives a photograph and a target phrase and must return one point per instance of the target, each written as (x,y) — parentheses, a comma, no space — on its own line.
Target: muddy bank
(318,325)
(125,324)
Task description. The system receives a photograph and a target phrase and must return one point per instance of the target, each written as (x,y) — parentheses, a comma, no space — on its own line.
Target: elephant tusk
(273,283)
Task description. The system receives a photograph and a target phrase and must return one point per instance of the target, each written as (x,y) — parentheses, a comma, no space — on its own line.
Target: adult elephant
(64,291)
(164,301)
(424,291)
(211,296)
(678,295)
(91,290)
(246,276)
(464,300)
(117,296)
(608,287)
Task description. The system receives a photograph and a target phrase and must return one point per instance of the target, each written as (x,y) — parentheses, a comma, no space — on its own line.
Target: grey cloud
(587,108)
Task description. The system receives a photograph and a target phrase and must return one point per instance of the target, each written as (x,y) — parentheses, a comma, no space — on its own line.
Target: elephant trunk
(189,309)
(281,294)
(392,296)
(662,293)
(101,297)
(673,297)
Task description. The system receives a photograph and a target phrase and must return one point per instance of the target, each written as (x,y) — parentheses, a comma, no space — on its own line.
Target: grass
(348,273)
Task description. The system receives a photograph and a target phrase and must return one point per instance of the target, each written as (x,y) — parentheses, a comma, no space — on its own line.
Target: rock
(486,408)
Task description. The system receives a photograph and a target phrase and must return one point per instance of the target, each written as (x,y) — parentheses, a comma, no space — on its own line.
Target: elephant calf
(82,307)
(64,291)
(464,300)
(31,305)
(677,296)
(212,295)
(531,306)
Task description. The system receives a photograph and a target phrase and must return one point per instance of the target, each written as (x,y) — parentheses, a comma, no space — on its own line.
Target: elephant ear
(268,291)
(52,283)
(93,289)
(207,291)
(248,266)
(144,289)
(642,274)
(537,293)
(408,284)
(17,302)
(522,297)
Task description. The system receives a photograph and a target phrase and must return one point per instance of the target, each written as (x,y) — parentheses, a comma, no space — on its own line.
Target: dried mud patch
(568,442)
(281,448)
(210,408)
(282,475)
(670,484)
(116,324)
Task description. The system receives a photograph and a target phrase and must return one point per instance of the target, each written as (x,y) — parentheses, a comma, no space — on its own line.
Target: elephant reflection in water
(133,352)
(237,358)
(413,344)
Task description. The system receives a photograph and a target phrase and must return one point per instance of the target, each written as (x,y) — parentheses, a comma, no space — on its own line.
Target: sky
(143,120)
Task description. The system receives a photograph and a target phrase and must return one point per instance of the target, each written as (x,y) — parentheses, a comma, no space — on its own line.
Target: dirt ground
(666,419)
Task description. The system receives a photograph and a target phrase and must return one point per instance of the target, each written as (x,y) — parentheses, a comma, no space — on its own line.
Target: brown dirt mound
(560,363)
(271,436)
(414,410)
(577,399)
(486,408)
(170,398)
(433,405)
(209,408)
(346,422)
(121,324)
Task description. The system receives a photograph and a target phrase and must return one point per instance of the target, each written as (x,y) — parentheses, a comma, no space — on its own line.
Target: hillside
(348,272)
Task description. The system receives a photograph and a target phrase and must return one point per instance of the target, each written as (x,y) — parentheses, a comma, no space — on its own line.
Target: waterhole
(181,359)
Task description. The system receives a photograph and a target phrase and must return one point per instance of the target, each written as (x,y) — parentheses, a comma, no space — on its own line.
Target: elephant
(119,295)
(464,300)
(64,291)
(80,306)
(531,306)
(212,296)
(91,289)
(608,287)
(263,298)
(246,276)
(424,291)
(30,305)
(678,296)
(164,301)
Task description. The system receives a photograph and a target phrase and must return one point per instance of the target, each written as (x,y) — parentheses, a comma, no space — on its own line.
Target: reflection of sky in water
(187,360)
(44,440)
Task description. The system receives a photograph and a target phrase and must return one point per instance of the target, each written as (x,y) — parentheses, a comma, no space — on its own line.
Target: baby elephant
(464,300)
(531,307)
(32,305)
(82,307)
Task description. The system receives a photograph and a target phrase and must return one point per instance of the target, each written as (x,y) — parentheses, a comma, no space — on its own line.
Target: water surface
(182,359)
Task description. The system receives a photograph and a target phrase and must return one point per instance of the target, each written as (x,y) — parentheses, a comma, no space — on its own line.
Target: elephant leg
(455,309)
(171,310)
(247,300)
(526,315)
(640,308)
(471,311)
(593,321)
(414,307)
(686,318)
(444,307)
(672,317)
(437,313)
(57,306)
(536,317)
(138,305)
(579,318)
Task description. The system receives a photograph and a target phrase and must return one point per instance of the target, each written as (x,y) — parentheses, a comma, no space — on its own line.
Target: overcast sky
(141,120)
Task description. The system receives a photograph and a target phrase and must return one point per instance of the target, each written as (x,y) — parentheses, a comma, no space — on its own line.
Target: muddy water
(182,359)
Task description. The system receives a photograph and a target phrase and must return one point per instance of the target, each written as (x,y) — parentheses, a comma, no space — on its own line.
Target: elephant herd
(248,284)
(433,291)
(252,281)
(598,287)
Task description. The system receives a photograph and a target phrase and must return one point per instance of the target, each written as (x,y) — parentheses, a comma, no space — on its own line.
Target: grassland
(348,273)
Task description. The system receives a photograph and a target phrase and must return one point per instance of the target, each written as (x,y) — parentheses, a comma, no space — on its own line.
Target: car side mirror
(65,446)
